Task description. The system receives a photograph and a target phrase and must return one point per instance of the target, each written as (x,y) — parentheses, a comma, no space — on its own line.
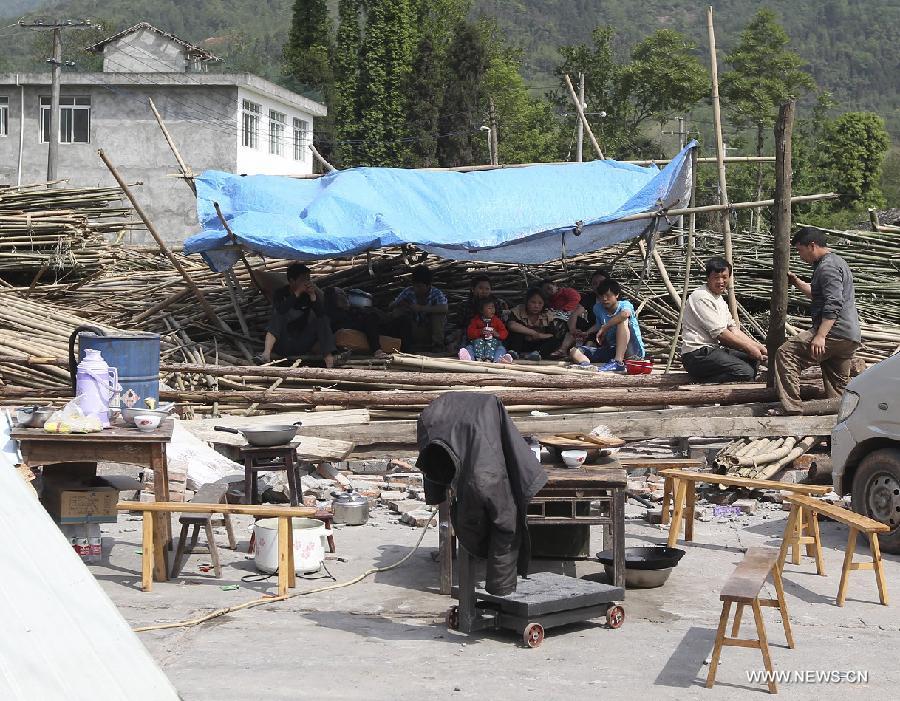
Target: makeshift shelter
(529,214)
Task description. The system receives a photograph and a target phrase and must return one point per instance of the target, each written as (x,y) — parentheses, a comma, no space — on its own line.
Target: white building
(239,123)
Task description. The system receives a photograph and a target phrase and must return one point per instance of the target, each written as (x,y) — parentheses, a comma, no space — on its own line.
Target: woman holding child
(531,328)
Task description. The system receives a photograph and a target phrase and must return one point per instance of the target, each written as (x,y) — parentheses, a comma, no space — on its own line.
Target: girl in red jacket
(486,333)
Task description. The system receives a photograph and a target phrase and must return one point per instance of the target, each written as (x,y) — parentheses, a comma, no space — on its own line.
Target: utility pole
(490,143)
(56,64)
(495,156)
(579,153)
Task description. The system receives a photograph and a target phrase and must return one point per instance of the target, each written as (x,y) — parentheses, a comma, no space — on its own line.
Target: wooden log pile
(762,458)
(60,233)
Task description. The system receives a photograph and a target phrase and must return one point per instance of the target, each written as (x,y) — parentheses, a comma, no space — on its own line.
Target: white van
(865,447)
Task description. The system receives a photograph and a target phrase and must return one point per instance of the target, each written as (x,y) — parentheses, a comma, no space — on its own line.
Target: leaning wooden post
(240,248)
(720,157)
(204,303)
(321,159)
(688,256)
(781,252)
(185,171)
(582,117)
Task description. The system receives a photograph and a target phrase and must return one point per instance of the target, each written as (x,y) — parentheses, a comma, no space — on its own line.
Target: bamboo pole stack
(68,233)
(142,290)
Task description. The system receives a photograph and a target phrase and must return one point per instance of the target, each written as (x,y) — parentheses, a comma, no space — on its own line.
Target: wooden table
(121,444)
(566,490)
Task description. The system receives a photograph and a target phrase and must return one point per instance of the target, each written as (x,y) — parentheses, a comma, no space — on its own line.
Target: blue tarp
(515,215)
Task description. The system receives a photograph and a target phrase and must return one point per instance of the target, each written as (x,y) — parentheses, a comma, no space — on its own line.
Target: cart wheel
(533,635)
(615,617)
(453,618)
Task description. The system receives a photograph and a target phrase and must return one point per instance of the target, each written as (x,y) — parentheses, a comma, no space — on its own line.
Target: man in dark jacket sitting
(298,319)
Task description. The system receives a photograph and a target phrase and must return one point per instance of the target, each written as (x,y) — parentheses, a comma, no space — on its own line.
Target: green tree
(765,74)
(462,111)
(844,155)
(527,128)
(385,65)
(345,99)
(307,54)
(425,97)
(890,178)
(434,25)
(852,152)
(662,77)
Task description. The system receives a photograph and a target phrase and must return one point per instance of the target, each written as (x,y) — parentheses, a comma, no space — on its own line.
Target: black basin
(645,558)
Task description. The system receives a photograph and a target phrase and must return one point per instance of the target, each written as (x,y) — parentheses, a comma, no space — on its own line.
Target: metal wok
(264,436)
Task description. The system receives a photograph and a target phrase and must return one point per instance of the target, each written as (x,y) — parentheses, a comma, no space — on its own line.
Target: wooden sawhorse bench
(153,543)
(742,588)
(681,490)
(804,517)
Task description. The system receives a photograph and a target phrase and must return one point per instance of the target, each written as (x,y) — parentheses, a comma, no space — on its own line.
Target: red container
(638,367)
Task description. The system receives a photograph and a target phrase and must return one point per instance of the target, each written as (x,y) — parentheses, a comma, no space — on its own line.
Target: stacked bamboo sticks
(67,232)
(142,291)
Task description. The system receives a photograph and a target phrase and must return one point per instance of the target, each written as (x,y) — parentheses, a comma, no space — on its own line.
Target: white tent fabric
(63,639)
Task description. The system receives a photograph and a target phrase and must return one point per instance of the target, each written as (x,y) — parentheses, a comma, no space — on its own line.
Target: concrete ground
(385,637)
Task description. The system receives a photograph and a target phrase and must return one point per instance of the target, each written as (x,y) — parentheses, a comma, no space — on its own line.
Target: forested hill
(850,45)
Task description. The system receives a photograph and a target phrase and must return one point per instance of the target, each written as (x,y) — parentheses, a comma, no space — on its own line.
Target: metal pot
(33,416)
(645,567)
(264,436)
(350,508)
(358,298)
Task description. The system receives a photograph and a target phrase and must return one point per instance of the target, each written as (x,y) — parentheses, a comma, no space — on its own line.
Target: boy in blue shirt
(617,332)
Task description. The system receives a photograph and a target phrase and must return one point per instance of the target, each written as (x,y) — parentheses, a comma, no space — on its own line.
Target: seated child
(617,332)
(486,333)
(567,310)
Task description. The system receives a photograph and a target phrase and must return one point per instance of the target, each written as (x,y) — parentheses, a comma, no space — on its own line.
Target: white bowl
(574,458)
(147,422)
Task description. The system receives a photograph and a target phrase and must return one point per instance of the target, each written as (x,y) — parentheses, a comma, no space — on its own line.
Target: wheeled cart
(542,600)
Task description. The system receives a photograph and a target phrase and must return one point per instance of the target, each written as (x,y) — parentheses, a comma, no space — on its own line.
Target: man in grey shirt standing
(834,336)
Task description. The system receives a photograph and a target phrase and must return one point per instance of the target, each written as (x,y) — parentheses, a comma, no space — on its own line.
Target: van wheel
(876,493)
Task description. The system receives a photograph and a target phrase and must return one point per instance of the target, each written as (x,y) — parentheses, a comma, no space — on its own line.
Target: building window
(74,120)
(250,124)
(4,115)
(277,121)
(301,138)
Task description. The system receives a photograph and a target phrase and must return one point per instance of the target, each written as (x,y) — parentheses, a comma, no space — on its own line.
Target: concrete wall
(201,119)
(144,51)
(259,161)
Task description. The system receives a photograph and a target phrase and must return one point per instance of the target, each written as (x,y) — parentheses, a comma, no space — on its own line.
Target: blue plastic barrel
(134,355)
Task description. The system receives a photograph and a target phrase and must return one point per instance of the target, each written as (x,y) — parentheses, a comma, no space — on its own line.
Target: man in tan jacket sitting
(713,348)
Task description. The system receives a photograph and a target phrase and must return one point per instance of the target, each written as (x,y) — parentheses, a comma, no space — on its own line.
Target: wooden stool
(804,516)
(153,534)
(208,494)
(742,588)
(802,528)
(274,458)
